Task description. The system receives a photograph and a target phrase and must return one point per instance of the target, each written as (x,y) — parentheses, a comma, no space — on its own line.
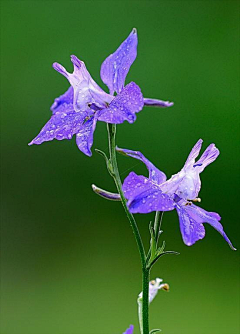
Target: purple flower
(129,330)
(77,111)
(154,193)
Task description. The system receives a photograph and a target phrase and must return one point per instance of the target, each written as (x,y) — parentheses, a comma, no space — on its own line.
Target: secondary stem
(145,271)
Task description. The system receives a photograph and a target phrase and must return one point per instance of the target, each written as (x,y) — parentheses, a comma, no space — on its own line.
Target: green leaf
(151,263)
(153,244)
(102,154)
(161,249)
(108,162)
(151,224)
(171,252)
(155,331)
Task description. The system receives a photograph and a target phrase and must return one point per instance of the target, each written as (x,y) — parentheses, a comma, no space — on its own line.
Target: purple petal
(86,91)
(194,153)
(129,330)
(62,102)
(191,229)
(124,106)
(201,216)
(84,137)
(135,184)
(155,175)
(157,103)
(209,155)
(62,125)
(115,67)
(151,200)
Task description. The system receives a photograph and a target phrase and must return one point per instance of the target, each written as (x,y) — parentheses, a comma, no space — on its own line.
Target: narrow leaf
(153,244)
(161,249)
(103,154)
(158,257)
(155,331)
(108,162)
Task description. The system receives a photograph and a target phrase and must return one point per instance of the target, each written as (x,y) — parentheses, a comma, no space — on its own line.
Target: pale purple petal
(135,184)
(115,67)
(199,215)
(62,102)
(129,330)
(84,137)
(191,229)
(62,125)
(190,182)
(189,186)
(171,186)
(124,106)
(157,103)
(194,153)
(151,200)
(86,91)
(209,155)
(155,175)
(186,183)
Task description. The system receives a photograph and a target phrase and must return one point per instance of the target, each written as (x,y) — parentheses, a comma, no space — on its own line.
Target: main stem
(145,301)
(145,271)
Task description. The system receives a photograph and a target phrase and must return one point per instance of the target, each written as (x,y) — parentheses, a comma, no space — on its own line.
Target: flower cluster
(77,111)
(156,193)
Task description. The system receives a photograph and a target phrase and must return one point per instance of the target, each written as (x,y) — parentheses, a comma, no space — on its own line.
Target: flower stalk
(115,174)
(144,318)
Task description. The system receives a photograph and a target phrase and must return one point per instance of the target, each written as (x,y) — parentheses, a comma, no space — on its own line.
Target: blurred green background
(69,260)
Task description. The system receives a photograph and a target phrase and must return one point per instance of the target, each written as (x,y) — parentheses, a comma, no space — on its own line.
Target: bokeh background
(69,260)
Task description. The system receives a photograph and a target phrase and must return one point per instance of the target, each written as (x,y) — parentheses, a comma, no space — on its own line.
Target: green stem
(145,300)
(157,224)
(156,227)
(116,177)
(115,174)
